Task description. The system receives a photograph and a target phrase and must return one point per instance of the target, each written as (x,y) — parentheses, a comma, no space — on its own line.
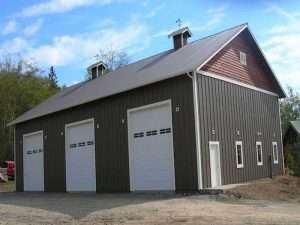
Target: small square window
(243,58)
(239,154)
(275,152)
(259,153)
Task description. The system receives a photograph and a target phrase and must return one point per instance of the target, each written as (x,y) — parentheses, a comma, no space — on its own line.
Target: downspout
(193,76)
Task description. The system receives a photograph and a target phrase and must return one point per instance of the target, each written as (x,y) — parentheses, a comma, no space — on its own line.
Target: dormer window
(97,69)
(243,58)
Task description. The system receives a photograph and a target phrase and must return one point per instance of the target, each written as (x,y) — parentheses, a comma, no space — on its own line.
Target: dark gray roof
(159,67)
(180,31)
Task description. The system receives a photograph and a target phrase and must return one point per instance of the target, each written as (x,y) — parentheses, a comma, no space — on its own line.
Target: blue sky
(68,33)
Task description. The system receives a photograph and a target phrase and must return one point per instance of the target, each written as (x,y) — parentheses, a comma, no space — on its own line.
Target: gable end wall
(227,63)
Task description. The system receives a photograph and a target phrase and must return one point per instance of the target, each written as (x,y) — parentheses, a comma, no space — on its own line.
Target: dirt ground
(158,209)
(282,188)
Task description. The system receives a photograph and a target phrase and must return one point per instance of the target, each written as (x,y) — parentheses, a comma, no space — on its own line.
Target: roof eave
(282,94)
(222,47)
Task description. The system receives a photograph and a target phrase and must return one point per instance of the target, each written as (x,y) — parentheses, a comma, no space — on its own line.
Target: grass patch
(8,186)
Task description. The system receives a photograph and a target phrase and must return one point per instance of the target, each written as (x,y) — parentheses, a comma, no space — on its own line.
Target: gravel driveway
(45,208)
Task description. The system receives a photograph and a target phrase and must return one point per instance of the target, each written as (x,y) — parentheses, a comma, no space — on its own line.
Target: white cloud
(9,27)
(60,6)
(14,46)
(213,16)
(80,49)
(155,11)
(219,9)
(33,28)
(282,47)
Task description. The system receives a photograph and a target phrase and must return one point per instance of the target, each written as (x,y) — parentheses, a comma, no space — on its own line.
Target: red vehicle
(10,171)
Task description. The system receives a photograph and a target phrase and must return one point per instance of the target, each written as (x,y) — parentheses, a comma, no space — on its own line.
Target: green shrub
(293,159)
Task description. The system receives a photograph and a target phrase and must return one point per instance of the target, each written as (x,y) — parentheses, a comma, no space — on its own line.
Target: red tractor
(10,169)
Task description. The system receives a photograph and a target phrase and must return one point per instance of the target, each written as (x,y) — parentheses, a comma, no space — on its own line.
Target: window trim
(274,143)
(239,166)
(259,143)
(243,58)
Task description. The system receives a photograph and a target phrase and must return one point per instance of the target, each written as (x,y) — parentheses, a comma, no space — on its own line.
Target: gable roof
(296,125)
(167,64)
(181,31)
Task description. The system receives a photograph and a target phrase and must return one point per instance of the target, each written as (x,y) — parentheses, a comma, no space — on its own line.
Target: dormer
(180,37)
(97,69)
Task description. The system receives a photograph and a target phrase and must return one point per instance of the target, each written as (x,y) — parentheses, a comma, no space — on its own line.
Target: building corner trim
(281,138)
(197,129)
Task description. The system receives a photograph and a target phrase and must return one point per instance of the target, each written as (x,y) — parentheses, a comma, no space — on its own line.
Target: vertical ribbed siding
(112,166)
(226,108)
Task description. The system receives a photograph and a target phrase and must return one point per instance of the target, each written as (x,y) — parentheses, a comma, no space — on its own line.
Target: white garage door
(80,156)
(33,161)
(151,147)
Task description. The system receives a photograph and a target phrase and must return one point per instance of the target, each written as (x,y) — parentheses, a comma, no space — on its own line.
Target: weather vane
(179,23)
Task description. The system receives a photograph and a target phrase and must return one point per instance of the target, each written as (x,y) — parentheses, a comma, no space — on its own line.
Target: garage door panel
(33,162)
(80,157)
(152,163)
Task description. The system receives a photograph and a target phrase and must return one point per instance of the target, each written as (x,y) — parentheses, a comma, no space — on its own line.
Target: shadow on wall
(79,205)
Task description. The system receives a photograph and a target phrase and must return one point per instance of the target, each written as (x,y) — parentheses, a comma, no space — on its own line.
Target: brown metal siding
(227,63)
(226,108)
(112,166)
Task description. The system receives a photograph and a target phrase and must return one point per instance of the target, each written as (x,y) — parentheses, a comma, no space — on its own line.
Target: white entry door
(80,156)
(215,164)
(33,161)
(151,147)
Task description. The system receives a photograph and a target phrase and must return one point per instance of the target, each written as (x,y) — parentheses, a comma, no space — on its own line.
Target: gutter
(193,76)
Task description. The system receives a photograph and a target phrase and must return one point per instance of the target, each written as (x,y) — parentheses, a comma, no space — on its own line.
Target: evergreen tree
(52,77)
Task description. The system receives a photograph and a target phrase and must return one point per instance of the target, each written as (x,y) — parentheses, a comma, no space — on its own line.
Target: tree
(52,77)
(293,158)
(21,88)
(113,59)
(289,108)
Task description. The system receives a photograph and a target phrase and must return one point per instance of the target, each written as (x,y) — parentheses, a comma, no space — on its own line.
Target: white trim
(130,145)
(197,130)
(274,143)
(183,30)
(259,143)
(219,158)
(229,80)
(281,138)
(79,122)
(223,46)
(96,65)
(90,120)
(149,106)
(239,166)
(33,133)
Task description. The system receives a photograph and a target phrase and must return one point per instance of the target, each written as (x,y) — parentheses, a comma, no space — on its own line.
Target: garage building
(200,115)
